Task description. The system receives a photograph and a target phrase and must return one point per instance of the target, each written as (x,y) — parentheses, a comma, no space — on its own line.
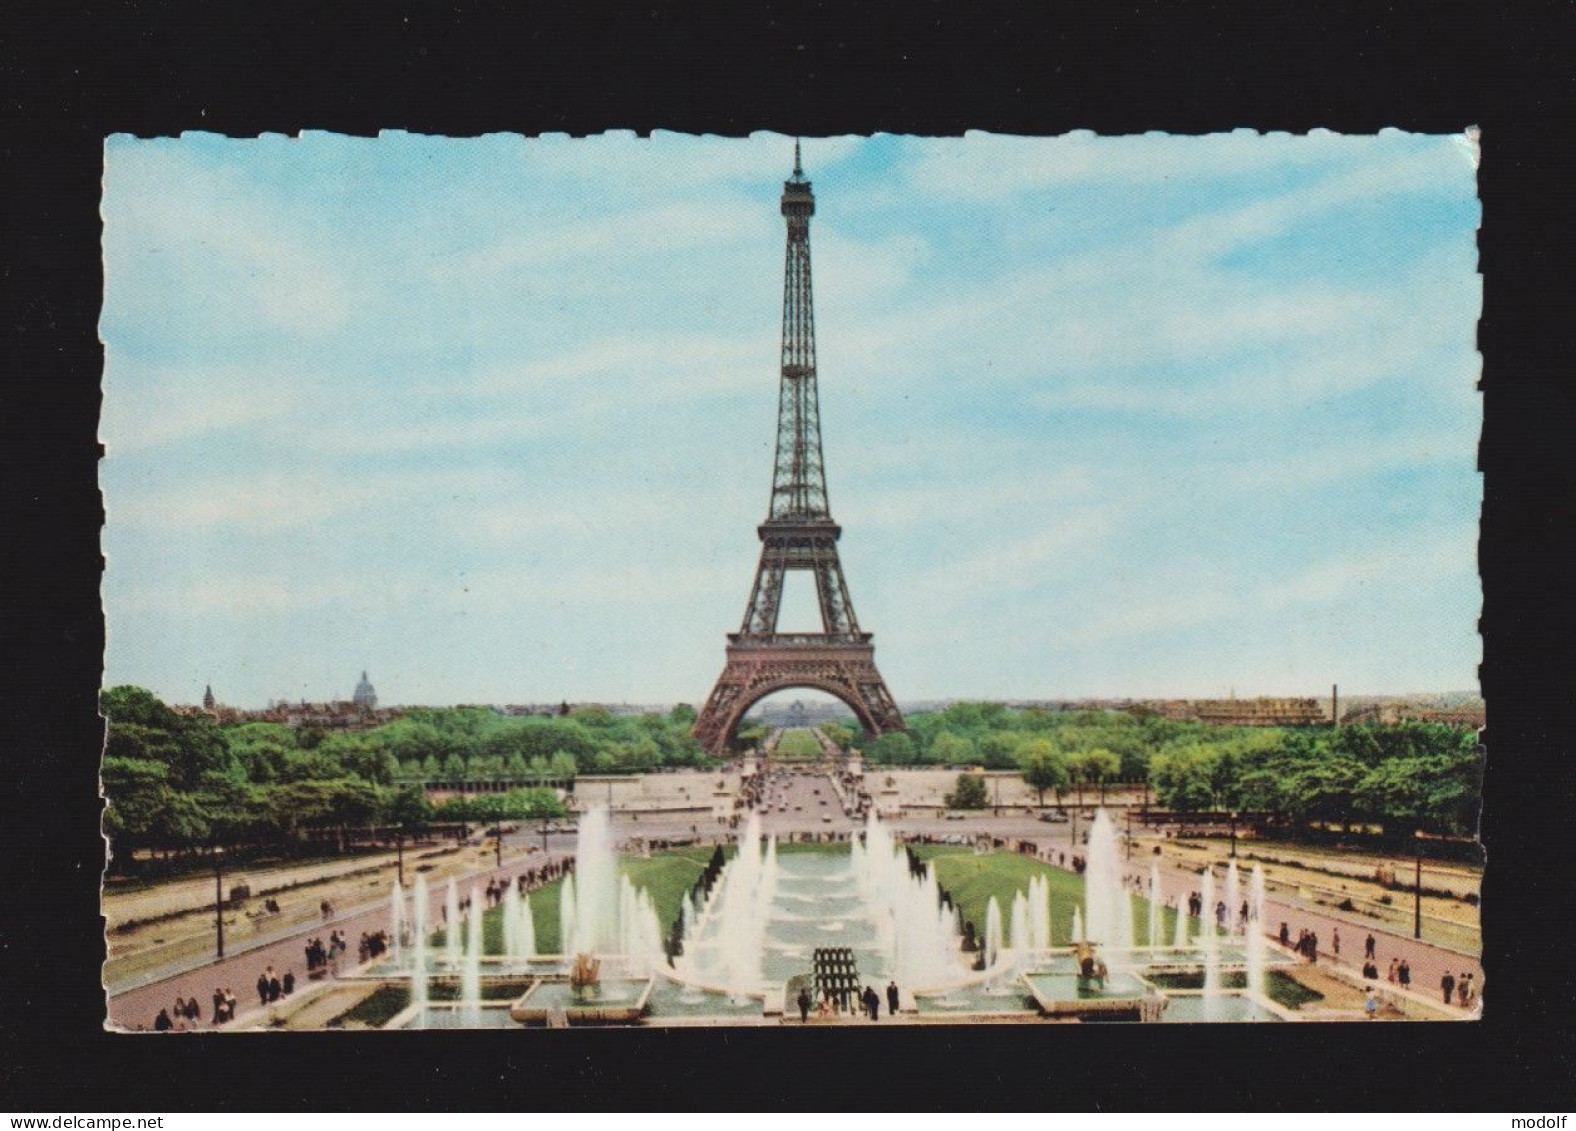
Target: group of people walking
(320,957)
(271,987)
(373,944)
(187,1014)
(1464,989)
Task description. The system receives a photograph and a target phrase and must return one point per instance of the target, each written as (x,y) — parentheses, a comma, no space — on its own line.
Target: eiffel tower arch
(798,534)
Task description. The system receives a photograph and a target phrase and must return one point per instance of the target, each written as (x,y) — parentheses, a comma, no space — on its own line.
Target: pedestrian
(1462,987)
(1405,974)
(1448,985)
(892,998)
(1335,943)
(1370,1003)
(162,1023)
(1395,972)
(262,989)
(289,982)
(180,1006)
(1285,934)
(218,1005)
(1313,947)
(804,1004)
(275,990)
(1370,947)
(872,1003)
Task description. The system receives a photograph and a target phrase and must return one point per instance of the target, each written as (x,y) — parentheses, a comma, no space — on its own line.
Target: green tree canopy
(969,793)
(1044,766)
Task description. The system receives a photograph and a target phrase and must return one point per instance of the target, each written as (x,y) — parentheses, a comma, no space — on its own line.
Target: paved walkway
(137,1008)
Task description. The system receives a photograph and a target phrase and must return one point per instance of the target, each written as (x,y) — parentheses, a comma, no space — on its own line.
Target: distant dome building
(365,697)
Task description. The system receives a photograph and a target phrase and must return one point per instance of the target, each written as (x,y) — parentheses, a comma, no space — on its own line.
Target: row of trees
(178,780)
(1411,776)
(991,735)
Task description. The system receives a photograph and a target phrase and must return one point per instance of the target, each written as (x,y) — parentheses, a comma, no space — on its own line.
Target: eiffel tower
(798,534)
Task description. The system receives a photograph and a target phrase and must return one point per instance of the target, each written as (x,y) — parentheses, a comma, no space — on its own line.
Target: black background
(74,73)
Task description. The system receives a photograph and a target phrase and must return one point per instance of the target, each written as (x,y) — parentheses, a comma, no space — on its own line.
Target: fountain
(594,926)
(510,912)
(525,932)
(1040,913)
(471,971)
(1211,940)
(1182,925)
(1154,905)
(396,921)
(873,911)
(918,934)
(1258,983)
(420,906)
(1106,899)
(566,914)
(1233,897)
(992,933)
(1021,943)
(451,926)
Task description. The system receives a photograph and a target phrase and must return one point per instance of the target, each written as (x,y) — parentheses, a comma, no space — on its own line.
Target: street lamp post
(1417,887)
(498,829)
(399,858)
(218,898)
(1233,834)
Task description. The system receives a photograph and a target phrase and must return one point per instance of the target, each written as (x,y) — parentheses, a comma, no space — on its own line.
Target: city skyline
(1125,418)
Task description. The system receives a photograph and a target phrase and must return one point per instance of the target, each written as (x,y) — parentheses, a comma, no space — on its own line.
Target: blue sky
(492,418)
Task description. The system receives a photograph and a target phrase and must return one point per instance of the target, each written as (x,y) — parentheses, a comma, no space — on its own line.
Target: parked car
(1054,816)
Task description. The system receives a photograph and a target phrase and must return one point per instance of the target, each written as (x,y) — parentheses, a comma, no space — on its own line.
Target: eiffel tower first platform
(798,534)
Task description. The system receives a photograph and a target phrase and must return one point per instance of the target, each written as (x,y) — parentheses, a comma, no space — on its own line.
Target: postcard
(857,581)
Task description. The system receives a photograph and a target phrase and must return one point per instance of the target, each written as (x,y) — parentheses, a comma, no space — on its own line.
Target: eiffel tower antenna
(798,534)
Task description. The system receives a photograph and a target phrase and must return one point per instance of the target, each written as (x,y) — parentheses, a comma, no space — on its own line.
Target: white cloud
(149,415)
(666,228)
(1012,566)
(177,231)
(1210,597)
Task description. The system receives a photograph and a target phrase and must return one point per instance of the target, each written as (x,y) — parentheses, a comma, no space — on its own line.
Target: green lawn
(972,880)
(798,746)
(667,876)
